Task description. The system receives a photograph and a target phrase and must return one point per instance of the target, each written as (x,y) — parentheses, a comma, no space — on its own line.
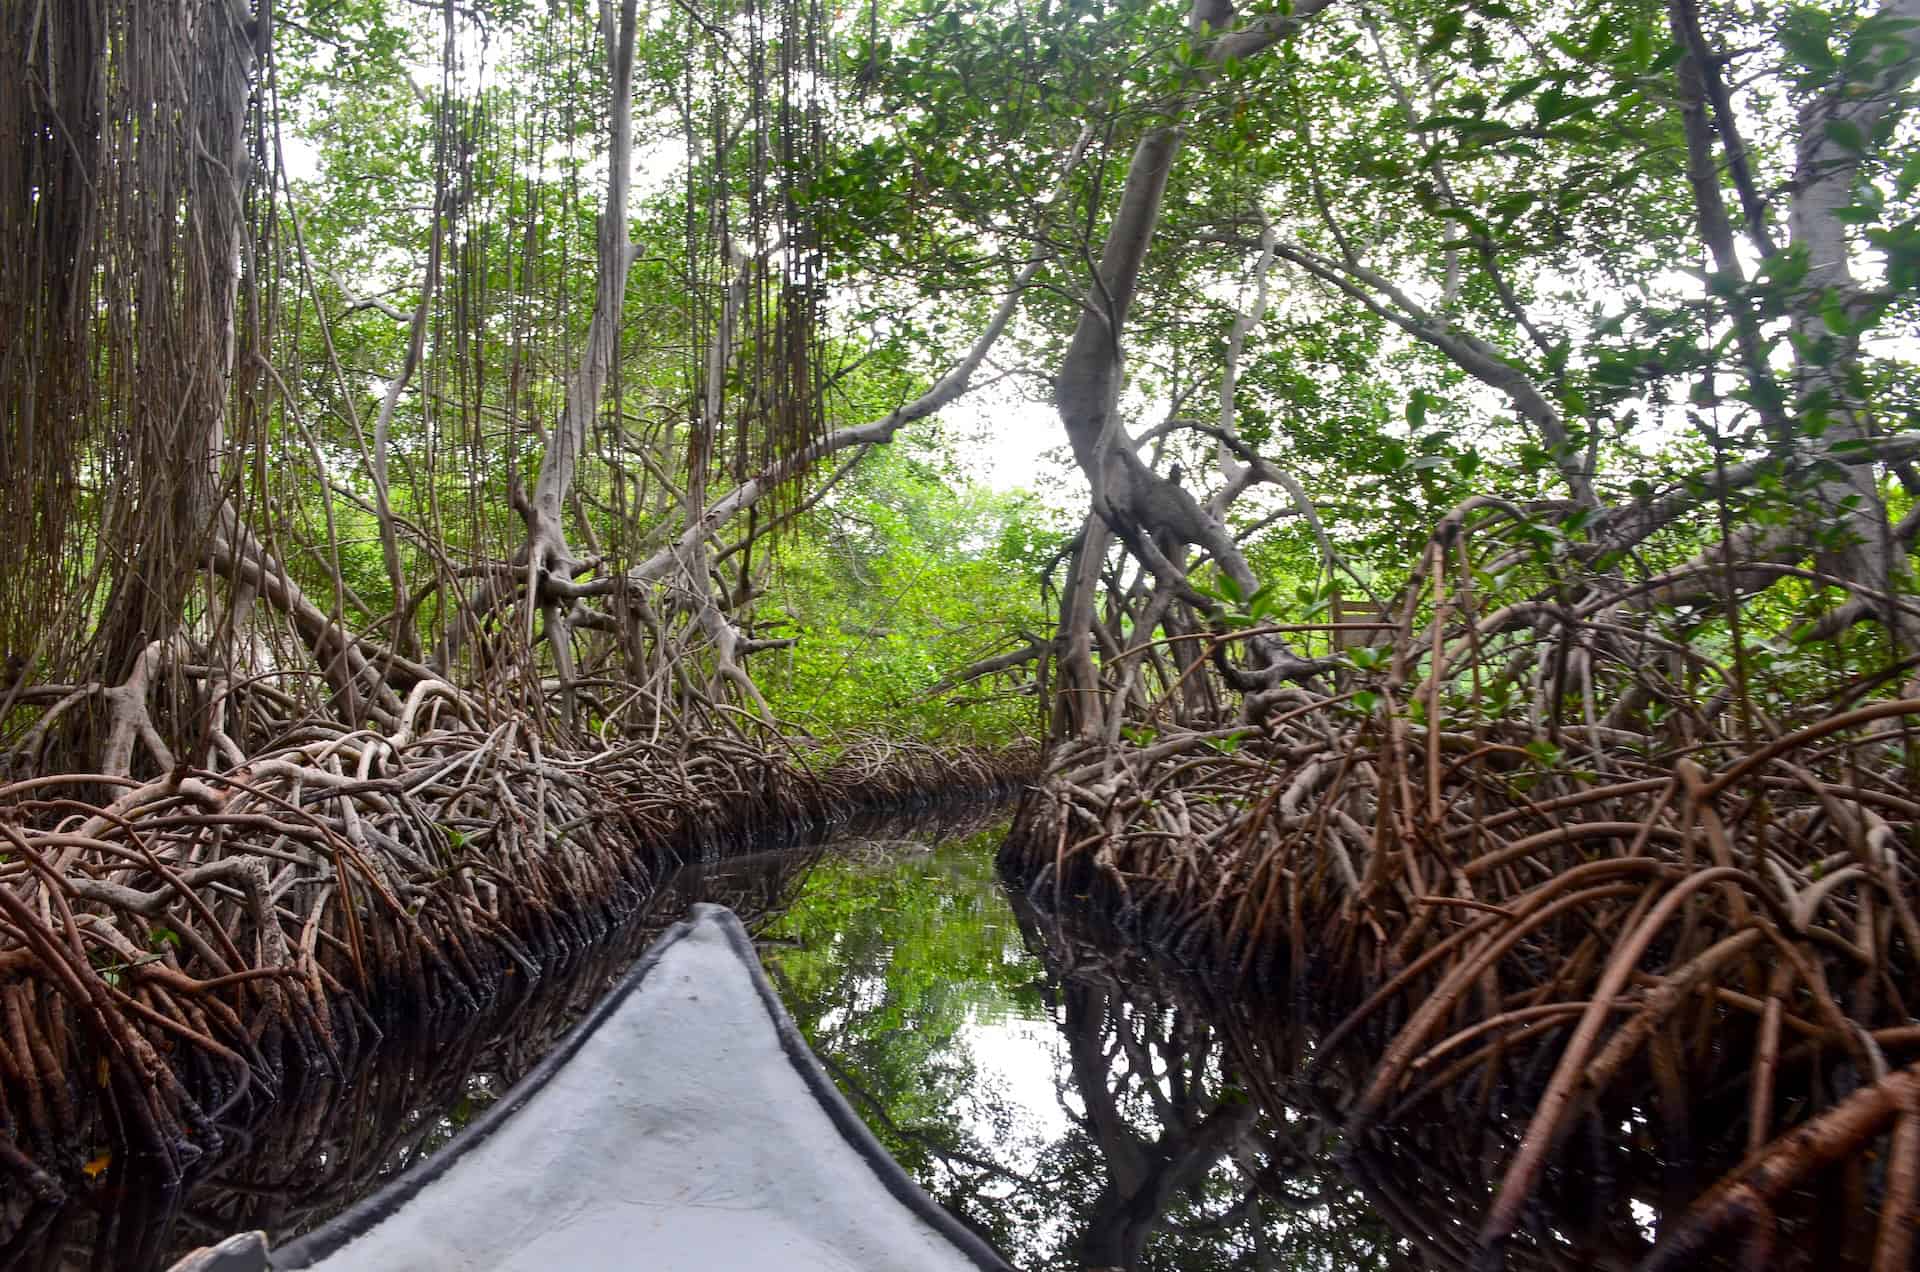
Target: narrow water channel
(1078,1115)
(1075,1114)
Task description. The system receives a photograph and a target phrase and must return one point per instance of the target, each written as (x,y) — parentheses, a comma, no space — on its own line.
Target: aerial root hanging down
(171,957)
(1686,949)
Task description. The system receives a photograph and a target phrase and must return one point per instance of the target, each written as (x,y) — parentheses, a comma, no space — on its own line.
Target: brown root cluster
(1580,975)
(177,952)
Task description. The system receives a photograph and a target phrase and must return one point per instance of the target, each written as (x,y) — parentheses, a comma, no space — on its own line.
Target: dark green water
(1075,1116)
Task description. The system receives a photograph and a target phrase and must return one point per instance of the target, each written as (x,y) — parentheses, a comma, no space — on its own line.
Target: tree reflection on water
(1063,1101)
(1056,1096)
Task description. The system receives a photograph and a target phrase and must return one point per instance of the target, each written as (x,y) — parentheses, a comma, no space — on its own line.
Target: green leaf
(1805,41)
(1519,89)
(1445,31)
(1667,58)
(1417,409)
(1511,206)
(1640,45)
(1555,105)
(1600,39)
(1368,658)
(1909,179)
(1847,135)
(1833,312)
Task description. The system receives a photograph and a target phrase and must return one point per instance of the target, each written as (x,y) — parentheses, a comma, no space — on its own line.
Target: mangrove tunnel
(1294,623)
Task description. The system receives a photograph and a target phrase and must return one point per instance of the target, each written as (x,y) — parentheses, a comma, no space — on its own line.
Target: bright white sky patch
(1020,1057)
(1005,439)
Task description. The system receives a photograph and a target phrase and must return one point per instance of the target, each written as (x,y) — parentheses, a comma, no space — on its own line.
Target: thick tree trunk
(1077,709)
(1137,504)
(1826,174)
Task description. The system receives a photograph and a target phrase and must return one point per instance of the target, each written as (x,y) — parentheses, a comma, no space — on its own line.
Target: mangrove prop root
(1539,921)
(339,1134)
